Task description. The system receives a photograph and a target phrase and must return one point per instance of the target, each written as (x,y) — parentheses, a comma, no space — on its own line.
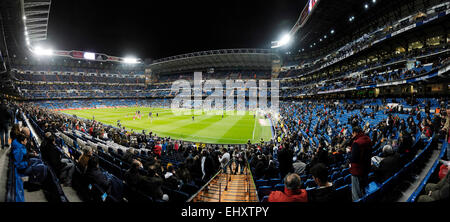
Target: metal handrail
(251,180)
(207,184)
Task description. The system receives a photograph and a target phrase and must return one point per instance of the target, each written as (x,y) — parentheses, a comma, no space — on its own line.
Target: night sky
(158,29)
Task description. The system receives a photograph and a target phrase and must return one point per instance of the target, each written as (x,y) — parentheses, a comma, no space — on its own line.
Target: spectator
(299,166)
(27,164)
(224,159)
(292,191)
(83,160)
(206,165)
(5,121)
(326,191)
(359,162)
(111,185)
(271,171)
(285,157)
(389,165)
(150,186)
(439,191)
(51,153)
(446,131)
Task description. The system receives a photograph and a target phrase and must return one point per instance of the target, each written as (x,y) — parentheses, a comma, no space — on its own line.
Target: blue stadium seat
(260,183)
(264,191)
(274,181)
(339,182)
(348,179)
(279,187)
(310,183)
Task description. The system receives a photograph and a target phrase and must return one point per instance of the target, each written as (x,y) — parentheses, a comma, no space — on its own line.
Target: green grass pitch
(206,128)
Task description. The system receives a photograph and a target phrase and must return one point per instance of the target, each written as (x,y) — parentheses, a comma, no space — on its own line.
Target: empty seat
(348,179)
(264,191)
(279,187)
(310,183)
(274,181)
(339,182)
(260,183)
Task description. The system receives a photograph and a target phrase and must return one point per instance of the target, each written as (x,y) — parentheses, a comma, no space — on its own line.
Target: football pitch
(206,127)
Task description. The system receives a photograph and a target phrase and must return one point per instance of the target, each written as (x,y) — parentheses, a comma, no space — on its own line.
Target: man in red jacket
(292,191)
(360,162)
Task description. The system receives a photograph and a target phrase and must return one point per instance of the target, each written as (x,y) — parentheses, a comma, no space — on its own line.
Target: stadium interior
(380,74)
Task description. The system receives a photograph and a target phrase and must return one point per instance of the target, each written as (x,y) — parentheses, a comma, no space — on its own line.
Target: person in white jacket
(224,159)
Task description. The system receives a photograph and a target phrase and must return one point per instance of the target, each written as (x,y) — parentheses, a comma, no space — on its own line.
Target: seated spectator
(150,186)
(84,158)
(326,190)
(388,166)
(128,156)
(292,191)
(54,157)
(111,185)
(15,131)
(170,178)
(439,191)
(27,164)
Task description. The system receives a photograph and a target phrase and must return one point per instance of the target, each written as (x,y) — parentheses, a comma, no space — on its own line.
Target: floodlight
(332,31)
(366,6)
(130,60)
(41,51)
(285,40)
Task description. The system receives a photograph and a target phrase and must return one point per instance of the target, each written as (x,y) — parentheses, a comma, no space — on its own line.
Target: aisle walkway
(237,189)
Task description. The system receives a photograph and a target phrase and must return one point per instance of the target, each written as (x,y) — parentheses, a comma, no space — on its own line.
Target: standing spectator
(359,162)
(292,191)
(206,165)
(224,159)
(157,149)
(446,131)
(285,158)
(5,121)
(240,161)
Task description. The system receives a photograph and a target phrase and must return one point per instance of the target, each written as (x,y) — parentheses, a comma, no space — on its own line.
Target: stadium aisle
(237,190)
(3,172)
(421,175)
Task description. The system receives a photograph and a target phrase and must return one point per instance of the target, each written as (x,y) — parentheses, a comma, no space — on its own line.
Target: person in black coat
(5,122)
(54,156)
(388,166)
(285,156)
(271,171)
(95,175)
(207,167)
(150,186)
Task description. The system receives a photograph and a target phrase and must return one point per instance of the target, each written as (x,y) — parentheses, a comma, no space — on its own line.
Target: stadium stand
(391,82)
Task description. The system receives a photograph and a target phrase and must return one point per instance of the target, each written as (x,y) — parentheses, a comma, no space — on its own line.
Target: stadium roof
(35,16)
(335,15)
(223,58)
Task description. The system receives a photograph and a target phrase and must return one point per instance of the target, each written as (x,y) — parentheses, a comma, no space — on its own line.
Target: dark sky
(157,29)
